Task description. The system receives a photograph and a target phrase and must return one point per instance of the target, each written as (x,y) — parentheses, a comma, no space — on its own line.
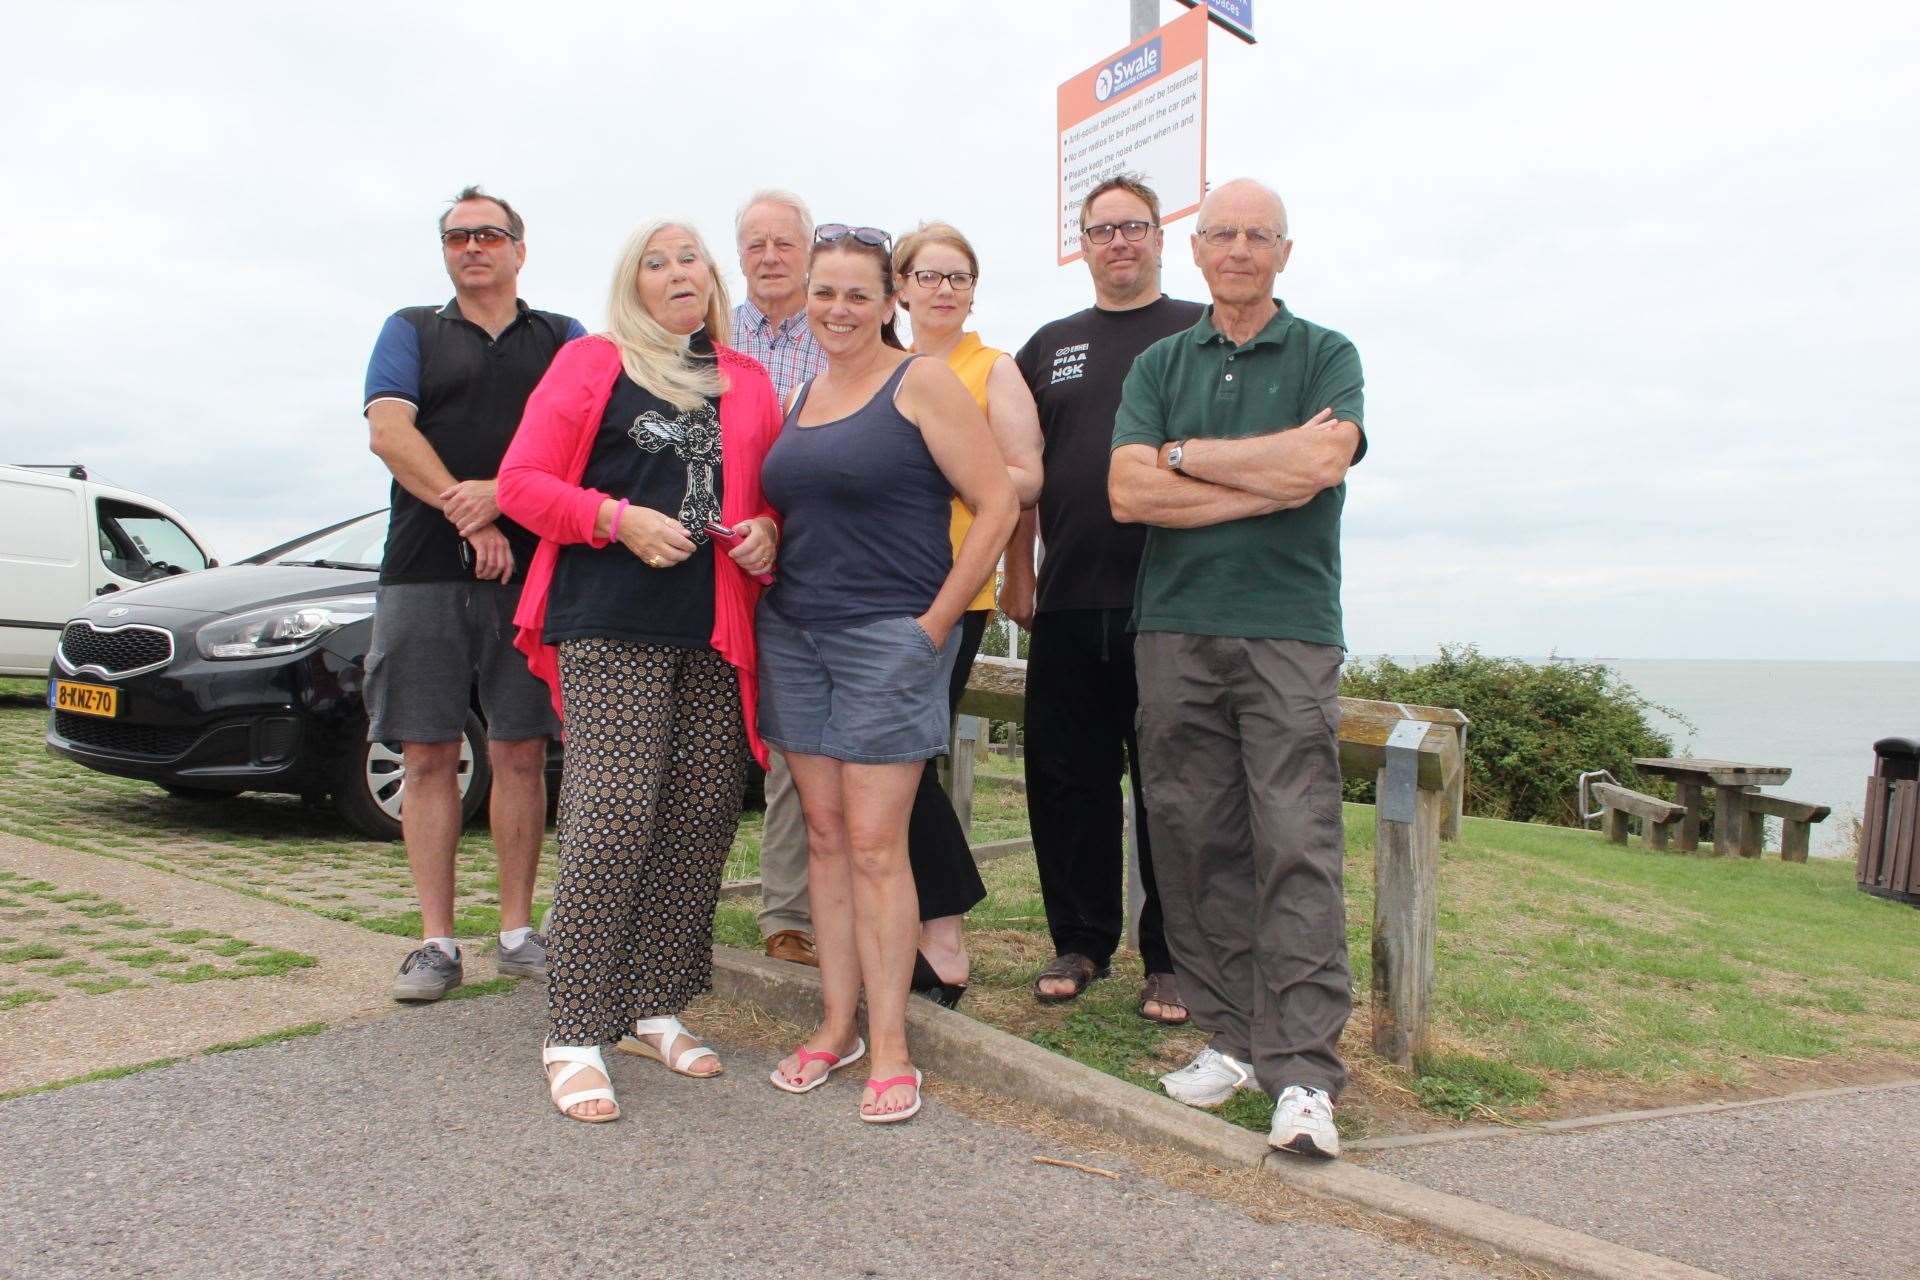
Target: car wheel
(200,795)
(373,781)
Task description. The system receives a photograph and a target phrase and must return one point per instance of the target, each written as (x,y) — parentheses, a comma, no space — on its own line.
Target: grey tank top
(865,511)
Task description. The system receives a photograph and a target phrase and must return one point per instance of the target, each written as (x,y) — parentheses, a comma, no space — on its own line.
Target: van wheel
(372,781)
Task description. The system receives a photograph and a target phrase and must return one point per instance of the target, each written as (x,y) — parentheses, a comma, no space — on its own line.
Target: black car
(246,678)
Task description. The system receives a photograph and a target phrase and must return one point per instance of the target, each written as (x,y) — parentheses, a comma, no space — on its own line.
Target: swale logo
(1129,71)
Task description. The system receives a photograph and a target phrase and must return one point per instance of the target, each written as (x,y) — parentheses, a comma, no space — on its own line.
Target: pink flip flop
(905,1113)
(834,1062)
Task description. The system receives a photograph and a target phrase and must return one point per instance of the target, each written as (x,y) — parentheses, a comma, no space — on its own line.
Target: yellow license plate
(86,699)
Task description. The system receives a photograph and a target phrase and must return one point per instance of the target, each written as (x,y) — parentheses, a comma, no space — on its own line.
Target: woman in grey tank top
(856,640)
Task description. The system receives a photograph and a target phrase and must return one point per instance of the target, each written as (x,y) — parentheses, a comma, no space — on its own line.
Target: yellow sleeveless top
(971,360)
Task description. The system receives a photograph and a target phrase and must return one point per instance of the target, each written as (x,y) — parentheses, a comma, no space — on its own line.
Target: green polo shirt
(1275,576)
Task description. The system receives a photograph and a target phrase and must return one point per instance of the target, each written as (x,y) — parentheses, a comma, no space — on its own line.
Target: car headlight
(284,628)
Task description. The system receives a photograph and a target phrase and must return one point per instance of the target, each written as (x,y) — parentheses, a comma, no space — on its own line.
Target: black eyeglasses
(829,232)
(1102,232)
(485,237)
(929,279)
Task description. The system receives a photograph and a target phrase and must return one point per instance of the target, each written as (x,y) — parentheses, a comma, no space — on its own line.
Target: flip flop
(834,1062)
(905,1113)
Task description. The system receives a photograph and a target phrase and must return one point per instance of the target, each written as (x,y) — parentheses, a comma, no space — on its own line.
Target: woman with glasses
(638,463)
(936,271)
(858,638)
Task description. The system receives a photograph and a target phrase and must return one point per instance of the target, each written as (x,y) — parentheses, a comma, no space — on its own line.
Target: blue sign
(1233,15)
(1129,71)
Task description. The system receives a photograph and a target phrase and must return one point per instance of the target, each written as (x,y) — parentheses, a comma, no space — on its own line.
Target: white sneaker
(1207,1081)
(1303,1123)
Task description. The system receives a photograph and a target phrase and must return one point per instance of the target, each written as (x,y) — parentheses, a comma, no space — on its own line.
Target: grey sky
(1633,284)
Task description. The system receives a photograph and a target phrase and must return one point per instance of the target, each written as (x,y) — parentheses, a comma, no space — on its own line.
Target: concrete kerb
(951,1045)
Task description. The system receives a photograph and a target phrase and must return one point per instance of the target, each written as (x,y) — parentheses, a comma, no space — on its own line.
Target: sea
(1819,719)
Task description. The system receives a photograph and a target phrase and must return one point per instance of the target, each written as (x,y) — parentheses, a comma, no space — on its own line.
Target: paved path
(421,1144)
(78,1034)
(1821,1187)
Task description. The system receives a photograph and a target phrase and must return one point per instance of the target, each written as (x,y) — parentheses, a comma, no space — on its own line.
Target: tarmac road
(422,1144)
(1826,1187)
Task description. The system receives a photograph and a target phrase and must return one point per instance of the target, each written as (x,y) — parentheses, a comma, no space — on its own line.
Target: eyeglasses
(485,237)
(1102,232)
(1223,237)
(962,281)
(829,232)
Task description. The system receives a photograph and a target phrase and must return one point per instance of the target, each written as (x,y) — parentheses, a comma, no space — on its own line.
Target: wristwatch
(1174,455)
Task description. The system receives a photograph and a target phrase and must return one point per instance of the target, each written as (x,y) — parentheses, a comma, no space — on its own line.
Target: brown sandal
(1161,989)
(1074,968)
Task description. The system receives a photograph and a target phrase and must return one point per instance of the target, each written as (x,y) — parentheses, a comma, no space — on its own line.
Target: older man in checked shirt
(774,231)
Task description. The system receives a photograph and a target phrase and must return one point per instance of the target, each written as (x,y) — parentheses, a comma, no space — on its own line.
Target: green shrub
(1536,727)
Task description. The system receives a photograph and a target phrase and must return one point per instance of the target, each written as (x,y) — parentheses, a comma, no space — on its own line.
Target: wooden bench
(1407,834)
(1796,824)
(1658,818)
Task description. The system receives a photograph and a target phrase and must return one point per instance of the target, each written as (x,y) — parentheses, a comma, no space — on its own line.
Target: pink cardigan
(539,488)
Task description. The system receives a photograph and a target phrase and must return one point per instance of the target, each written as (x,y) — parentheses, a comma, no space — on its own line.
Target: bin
(1889,863)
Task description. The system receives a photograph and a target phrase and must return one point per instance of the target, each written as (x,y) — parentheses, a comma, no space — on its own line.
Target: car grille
(122,738)
(114,651)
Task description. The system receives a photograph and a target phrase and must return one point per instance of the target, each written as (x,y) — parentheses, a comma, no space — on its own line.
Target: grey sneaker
(426,974)
(528,960)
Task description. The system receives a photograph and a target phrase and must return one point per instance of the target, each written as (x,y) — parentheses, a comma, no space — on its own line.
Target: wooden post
(1689,840)
(1729,825)
(1753,833)
(1654,834)
(1794,839)
(1406,862)
(1615,825)
(1456,793)
(966,733)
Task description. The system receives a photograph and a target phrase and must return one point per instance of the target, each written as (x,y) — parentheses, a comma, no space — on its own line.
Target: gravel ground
(422,1144)
(1824,1187)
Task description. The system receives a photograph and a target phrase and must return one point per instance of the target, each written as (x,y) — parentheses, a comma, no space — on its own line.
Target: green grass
(271,1037)
(1564,965)
(478,990)
(110,1073)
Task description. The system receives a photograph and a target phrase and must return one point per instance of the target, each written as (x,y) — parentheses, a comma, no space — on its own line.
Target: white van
(65,539)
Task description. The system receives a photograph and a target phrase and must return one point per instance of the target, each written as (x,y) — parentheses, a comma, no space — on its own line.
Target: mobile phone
(725,537)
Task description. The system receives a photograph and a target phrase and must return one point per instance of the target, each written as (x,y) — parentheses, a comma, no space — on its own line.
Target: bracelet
(613,529)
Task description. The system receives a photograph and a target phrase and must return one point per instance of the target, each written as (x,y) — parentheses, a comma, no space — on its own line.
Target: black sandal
(926,982)
(1074,968)
(1161,989)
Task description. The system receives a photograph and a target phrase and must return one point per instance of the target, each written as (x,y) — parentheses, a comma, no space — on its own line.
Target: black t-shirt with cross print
(655,456)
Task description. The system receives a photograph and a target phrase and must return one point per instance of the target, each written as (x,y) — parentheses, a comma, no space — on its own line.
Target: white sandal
(578,1058)
(669,1029)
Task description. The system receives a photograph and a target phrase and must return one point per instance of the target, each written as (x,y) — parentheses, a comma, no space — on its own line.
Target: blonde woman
(936,272)
(636,447)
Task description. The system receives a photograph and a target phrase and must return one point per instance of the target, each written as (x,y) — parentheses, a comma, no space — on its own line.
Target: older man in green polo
(1233,443)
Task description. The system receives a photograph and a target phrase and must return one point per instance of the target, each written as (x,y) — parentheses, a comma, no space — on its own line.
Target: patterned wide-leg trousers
(649,802)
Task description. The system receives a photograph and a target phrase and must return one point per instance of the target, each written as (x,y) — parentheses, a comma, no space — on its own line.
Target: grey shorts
(873,694)
(433,644)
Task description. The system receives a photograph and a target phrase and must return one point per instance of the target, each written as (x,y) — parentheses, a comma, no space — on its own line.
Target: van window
(143,545)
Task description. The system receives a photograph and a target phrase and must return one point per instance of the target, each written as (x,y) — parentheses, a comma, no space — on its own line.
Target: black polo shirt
(468,389)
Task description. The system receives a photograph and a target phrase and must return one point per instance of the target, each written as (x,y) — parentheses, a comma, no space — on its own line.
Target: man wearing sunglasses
(773,232)
(1080,678)
(445,390)
(1232,447)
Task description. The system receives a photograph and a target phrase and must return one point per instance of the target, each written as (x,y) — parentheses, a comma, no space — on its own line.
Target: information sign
(1235,16)
(1142,111)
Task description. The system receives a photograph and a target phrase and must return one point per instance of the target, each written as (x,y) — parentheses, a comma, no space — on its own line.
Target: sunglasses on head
(485,237)
(830,232)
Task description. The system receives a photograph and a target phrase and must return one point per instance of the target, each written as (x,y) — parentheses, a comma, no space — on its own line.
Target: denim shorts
(872,694)
(434,645)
